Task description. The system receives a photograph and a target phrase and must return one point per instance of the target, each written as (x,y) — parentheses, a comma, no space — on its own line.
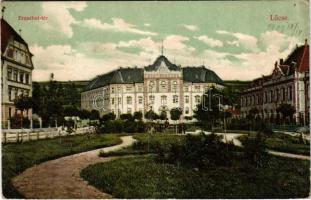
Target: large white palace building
(160,87)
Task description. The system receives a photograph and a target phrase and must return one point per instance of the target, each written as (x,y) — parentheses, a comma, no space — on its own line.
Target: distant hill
(78,84)
(237,84)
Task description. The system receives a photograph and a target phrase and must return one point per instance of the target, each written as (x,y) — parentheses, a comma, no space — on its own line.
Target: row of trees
(54,100)
(286,110)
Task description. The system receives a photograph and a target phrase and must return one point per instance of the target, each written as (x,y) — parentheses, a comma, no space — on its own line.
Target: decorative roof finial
(20,32)
(306,41)
(2,11)
(162,49)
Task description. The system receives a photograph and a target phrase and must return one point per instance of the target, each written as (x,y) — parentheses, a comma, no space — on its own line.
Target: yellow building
(16,71)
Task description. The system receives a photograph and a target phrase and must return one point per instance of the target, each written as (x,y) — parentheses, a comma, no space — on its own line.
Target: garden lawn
(147,143)
(18,157)
(284,143)
(147,177)
(287,143)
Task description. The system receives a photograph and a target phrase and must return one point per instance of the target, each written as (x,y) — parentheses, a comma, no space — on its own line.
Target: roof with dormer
(136,75)
(119,76)
(200,75)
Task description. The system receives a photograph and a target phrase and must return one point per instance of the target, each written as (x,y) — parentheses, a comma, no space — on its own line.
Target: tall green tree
(138,115)
(208,111)
(287,111)
(163,115)
(23,103)
(175,115)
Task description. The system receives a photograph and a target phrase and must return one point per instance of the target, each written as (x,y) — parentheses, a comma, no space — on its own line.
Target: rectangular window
(15,76)
(140,100)
(289,93)
(10,94)
(112,101)
(140,88)
(27,79)
(10,52)
(129,100)
(151,99)
(186,88)
(197,88)
(186,99)
(27,60)
(197,99)
(128,88)
(21,77)
(9,73)
(175,99)
(112,90)
(119,100)
(163,100)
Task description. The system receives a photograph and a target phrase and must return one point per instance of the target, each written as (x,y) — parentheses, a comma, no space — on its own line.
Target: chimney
(276,64)
(306,41)
(281,61)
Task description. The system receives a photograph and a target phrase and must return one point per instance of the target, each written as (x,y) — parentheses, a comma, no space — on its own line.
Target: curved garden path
(60,178)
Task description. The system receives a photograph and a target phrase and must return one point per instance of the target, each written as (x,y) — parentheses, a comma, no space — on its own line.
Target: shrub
(120,126)
(126,117)
(17,122)
(138,115)
(200,151)
(255,151)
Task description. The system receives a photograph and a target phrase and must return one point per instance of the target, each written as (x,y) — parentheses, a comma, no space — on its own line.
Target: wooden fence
(24,135)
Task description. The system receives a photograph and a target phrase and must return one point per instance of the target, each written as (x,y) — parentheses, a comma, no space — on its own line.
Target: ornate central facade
(158,87)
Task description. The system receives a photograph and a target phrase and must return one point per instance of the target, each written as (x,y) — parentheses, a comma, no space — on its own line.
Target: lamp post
(220,97)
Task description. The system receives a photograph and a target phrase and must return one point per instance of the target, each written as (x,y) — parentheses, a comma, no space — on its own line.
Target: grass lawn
(147,144)
(18,157)
(147,177)
(285,143)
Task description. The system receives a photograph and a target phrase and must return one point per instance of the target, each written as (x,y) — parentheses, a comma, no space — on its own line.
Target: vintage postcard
(155,99)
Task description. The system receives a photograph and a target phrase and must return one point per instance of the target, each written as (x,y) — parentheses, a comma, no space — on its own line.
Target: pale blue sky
(83,39)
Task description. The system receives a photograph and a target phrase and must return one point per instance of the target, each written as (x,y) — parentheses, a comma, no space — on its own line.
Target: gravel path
(60,178)
(289,155)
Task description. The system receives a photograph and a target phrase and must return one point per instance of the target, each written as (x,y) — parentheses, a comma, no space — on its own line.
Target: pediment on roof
(162,64)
